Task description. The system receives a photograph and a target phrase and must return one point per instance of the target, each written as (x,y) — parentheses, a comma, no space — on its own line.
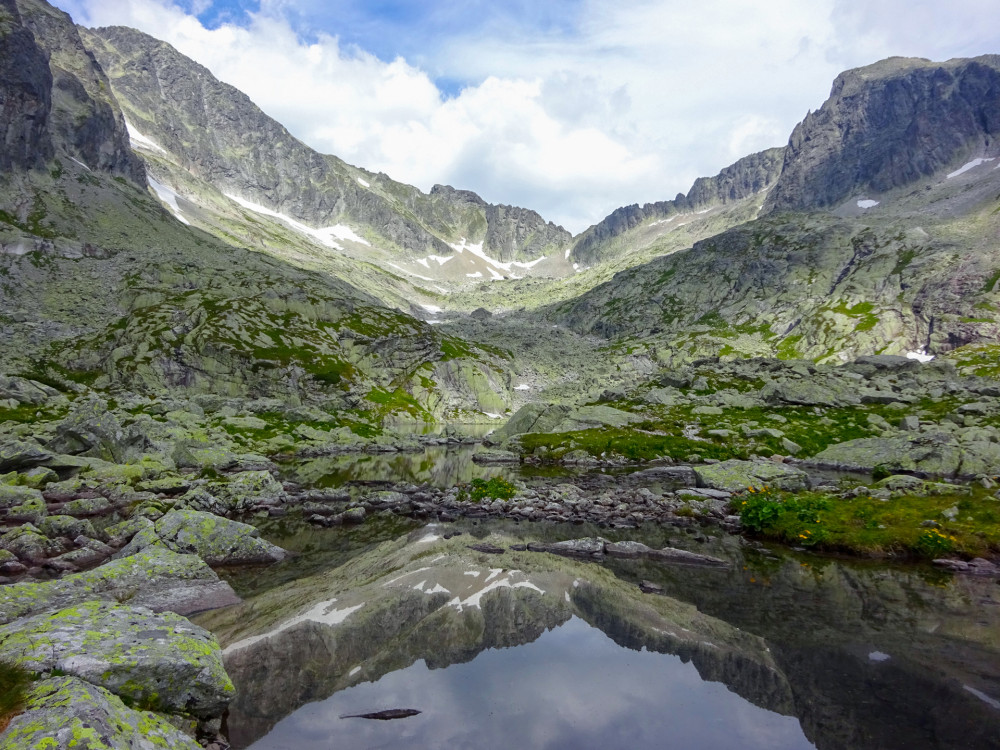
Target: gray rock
(217,541)
(156,578)
(65,712)
(29,544)
(735,475)
(148,658)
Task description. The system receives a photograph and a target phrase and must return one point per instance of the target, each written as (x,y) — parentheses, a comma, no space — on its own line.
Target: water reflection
(571,688)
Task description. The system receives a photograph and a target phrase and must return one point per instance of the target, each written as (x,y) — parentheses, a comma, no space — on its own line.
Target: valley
(247,388)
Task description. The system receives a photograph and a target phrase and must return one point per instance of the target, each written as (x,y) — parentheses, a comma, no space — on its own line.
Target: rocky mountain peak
(888,125)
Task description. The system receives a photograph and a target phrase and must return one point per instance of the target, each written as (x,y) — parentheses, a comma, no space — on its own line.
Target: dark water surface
(866,655)
(572,688)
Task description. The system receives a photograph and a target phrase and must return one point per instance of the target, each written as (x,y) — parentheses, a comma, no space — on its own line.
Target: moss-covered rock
(247,490)
(12,496)
(21,454)
(65,712)
(29,544)
(158,579)
(32,511)
(735,475)
(217,541)
(151,659)
(92,430)
(932,454)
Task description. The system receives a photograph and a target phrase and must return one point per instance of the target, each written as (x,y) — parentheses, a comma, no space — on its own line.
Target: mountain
(874,235)
(101,286)
(888,125)
(632,228)
(214,132)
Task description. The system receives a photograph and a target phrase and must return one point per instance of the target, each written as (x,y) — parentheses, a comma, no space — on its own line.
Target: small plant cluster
(934,542)
(14,682)
(761,510)
(496,488)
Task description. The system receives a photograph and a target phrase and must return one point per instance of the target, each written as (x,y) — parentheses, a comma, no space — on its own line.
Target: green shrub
(14,682)
(496,488)
(934,542)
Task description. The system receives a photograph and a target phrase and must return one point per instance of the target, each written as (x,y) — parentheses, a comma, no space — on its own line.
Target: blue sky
(569,107)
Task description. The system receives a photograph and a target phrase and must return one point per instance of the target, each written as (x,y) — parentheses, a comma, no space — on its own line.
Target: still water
(855,654)
(571,688)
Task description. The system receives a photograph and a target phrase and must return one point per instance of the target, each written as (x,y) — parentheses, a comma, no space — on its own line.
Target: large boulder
(65,712)
(21,454)
(26,391)
(247,490)
(735,475)
(12,496)
(91,430)
(157,579)
(29,544)
(148,658)
(810,392)
(217,541)
(930,454)
(543,418)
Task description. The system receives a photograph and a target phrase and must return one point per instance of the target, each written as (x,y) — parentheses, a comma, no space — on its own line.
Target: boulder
(248,489)
(91,430)
(735,475)
(217,541)
(64,712)
(930,454)
(809,392)
(157,579)
(11,497)
(29,544)
(21,454)
(148,658)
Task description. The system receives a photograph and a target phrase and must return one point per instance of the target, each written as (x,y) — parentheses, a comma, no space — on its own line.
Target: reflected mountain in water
(430,599)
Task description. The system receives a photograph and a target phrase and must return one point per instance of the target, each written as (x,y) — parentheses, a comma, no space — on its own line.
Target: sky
(569,107)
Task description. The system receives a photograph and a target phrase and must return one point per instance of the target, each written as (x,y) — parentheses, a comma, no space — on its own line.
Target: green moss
(874,527)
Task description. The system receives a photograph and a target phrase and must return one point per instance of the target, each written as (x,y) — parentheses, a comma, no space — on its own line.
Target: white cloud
(631,104)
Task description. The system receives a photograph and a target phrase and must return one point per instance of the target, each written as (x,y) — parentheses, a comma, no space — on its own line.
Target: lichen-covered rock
(91,430)
(157,578)
(149,658)
(87,506)
(248,489)
(29,544)
(67,526)
(32,511)
(735,475)
(12,496)
(810,393)
(65,712)
(933,454)
(20,454)
(217,541)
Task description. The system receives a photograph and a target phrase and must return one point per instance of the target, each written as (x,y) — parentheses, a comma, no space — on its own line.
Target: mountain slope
(219,135)
(101,285)
(889,125)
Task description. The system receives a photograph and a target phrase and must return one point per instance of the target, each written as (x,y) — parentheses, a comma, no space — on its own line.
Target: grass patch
(872,527)
(14,682)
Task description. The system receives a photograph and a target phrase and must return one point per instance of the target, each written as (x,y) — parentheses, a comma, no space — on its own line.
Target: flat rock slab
(596,548)
(65,712)
(735,475)
(149,658)
(976,567)
(930,454)
(158,579)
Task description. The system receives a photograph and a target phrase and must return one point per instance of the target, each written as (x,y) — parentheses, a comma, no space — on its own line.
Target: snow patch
(323,613)
(920,356)
(568,251)
(323,236)
(473,573)
(423,262)
(364,183)
(867,203)
(971,165)
(522,387)
(80,163)
(878,656)
(491,415)
(529,264)
(432,309)
(432,537)
(138,140)
(354,671)
(494,572)
(404,575)
(983,697)
(476,275)
(496,276)
(411,273)
(344,232)
(169,197)
(441,259)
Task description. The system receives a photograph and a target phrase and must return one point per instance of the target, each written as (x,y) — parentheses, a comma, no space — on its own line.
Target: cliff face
(53,83)
(748,176)
(25,95)
(887,125)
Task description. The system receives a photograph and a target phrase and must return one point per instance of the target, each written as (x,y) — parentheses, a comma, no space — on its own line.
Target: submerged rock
(157,659)
(65,712)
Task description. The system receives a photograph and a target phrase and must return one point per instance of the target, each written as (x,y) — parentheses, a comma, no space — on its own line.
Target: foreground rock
(157,578)
(65,712)
(596,548)
(217,541)
(147,658)
(928,454)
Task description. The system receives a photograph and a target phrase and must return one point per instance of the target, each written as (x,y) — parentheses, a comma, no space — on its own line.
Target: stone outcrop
(888,125)
(155,659)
